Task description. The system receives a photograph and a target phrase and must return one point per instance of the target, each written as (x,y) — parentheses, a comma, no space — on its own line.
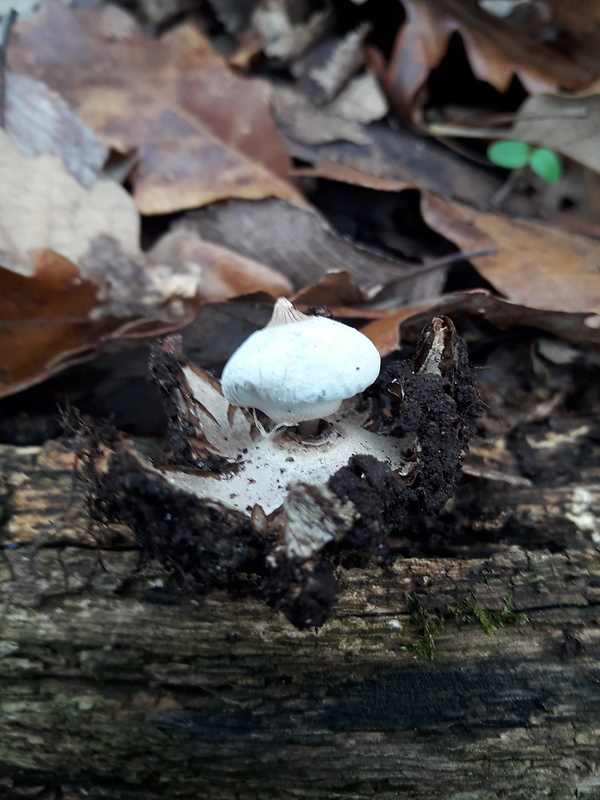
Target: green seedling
(516,155)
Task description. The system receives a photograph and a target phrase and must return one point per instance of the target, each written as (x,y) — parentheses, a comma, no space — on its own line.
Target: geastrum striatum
(288,466)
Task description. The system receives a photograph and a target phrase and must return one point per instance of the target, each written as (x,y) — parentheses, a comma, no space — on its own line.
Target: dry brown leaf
(46,321)
(406,322)
(300,244)
(394,155)
(531,263)
(497,51)
(535,265)
(385,332)
(356,177)
(53,312)
(220,273)
(201,133)
(578,21)
(334,289)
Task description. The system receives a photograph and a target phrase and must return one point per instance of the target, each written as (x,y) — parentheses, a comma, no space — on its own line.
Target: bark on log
(115,685)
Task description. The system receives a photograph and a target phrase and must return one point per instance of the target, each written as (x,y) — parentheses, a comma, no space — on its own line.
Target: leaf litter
(201,133)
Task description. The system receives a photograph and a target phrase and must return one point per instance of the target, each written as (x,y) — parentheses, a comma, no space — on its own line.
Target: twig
(447,261)
(431,266)
(491,131)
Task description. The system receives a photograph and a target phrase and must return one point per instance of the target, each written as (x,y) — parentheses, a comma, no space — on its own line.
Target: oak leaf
(534,264)
(201,133)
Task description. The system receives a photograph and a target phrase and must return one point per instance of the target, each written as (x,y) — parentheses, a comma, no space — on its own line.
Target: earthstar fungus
(228,507)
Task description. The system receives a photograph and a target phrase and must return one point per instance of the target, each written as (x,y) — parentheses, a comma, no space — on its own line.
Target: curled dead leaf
(497,51)
(385,332)
(46,321)
(218,273)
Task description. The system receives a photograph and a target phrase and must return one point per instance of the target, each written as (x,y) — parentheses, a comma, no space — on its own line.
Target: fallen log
(474,674)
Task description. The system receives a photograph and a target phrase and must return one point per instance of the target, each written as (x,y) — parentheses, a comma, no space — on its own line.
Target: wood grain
(114,685)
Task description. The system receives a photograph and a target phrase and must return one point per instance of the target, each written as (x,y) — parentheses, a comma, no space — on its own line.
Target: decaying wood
(115,685)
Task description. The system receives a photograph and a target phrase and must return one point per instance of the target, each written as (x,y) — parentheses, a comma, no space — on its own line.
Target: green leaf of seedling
(509,154)
(546,164)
